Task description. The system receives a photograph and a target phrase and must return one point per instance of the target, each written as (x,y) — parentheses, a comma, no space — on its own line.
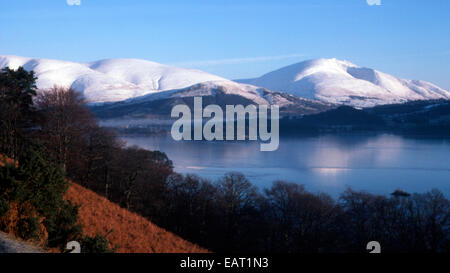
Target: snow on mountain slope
(109,80)
(211,88)
(221,93)
(342,82)
(151,75)
(257,95)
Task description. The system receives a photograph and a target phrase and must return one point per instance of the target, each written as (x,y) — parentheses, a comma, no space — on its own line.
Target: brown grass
(131,233)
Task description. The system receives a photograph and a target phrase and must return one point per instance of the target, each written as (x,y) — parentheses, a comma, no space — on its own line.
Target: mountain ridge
(330,81)
(109,80)
(342,82)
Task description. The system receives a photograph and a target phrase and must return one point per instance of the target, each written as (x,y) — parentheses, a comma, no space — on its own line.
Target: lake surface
(378,164)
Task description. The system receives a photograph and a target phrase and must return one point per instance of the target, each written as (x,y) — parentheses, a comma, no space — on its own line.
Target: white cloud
(373,2)
(73,2)
(240,60)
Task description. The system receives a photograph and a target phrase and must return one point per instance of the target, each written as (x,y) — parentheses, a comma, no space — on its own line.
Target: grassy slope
(131,233)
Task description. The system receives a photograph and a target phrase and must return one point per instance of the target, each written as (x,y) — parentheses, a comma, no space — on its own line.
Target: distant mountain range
(136,87)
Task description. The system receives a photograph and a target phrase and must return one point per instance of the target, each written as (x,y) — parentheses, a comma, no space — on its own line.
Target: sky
(236,38)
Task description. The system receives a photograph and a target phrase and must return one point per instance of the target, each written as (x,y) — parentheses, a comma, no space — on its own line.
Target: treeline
(229,215)
(420,118)
(32,181)
(232,215)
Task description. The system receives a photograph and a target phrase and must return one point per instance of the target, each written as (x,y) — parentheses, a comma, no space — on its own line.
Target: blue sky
(236,39)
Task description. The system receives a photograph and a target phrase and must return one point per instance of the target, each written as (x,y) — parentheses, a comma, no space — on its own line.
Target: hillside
(131,232)
(342,82)
(221,93)
(126,232)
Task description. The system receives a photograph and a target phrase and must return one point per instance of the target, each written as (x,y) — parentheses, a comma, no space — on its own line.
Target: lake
(377,164)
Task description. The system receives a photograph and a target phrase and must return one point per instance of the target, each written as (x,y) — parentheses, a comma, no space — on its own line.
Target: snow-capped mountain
(109,80)
(132,83)
(342,82)
(327,80)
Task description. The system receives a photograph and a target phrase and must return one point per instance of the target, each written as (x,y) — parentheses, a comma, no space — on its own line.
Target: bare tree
(65,120)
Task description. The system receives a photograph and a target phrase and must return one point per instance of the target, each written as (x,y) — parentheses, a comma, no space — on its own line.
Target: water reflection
(378,164)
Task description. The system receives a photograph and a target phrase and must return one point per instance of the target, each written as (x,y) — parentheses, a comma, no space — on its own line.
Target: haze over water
(377,164)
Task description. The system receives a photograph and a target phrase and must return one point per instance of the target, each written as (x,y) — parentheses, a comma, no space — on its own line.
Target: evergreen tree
(38,186)
(17,88)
